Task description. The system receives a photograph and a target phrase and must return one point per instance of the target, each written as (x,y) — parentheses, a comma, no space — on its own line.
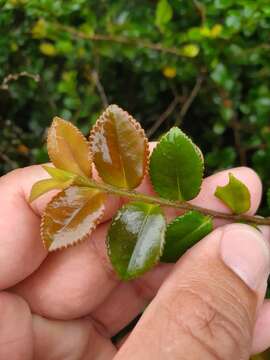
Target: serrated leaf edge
(181,217)
(197,149)
(99,124)
(74,127)
(82,239)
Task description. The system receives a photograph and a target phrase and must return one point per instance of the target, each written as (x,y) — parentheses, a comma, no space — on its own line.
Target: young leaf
(70,216)
(58,174)
(235,195)
(184,232)
(176,167)
(43,186)
(68,149)
(120,148)
(136,238)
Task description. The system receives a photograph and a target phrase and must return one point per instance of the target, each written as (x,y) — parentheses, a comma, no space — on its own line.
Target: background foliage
(203,65)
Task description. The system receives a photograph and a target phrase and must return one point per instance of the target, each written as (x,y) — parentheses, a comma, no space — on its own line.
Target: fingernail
(245,252)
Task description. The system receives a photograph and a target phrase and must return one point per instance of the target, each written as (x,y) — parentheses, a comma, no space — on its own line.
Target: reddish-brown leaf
(70,216)
(68,149)
(120,148)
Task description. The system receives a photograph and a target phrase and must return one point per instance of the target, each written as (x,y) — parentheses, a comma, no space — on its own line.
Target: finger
(73,339)
(32,174)
(22,250)
(128,300)
(71,282)
(261,337)
(207,306)
(16,340)
(74,282)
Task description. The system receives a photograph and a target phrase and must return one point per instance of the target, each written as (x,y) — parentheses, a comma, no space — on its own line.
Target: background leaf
(70,216)
(120,148)
(176,167)
(184,232)
(235,195)
(164,13)
(136,238)
(68,149)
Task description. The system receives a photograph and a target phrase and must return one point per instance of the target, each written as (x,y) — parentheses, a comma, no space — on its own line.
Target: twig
(201,10)
(6,159)
(237,141)
(163,116)
(190,99)
(120,40)
(14,77)
(170,203)
(100,88)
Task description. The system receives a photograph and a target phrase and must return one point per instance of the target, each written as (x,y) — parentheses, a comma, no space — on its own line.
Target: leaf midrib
(119,151)
(139,235)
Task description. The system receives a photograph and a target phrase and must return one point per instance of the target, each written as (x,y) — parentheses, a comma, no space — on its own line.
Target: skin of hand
(68,304)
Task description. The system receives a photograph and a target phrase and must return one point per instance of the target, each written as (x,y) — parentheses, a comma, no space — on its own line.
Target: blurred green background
(203,65)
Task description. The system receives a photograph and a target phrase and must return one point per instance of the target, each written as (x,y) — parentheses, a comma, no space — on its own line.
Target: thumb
(206,309)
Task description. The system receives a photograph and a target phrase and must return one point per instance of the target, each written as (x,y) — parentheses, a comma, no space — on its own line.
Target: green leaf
(68,149)
(58,174)
(176,167)
(184,232)
(136,239)
(120,148)
(235,195)
(268,198)
(164,13)
(43,186)
(70,216)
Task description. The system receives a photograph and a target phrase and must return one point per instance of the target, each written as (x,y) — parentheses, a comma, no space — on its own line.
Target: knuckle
(198,315)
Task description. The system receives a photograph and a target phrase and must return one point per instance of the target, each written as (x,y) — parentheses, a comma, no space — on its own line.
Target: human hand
(68,304)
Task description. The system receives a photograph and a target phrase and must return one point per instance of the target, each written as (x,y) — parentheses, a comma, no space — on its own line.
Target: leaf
(235,195)
(268,198)
(68,149)
(43,186)
(58,174)
(164,13)
(263,356)
(70,216)
(184,232)
(136,238)
(120,148)
(190,50)
(176,167)
(169,72)
(47,49)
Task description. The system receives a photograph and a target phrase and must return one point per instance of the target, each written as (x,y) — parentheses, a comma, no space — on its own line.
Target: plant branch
(163,117)
(14,77)
(120,40)
(170,203)
(100,88)
(201,10)
(237,141)
(190,99)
